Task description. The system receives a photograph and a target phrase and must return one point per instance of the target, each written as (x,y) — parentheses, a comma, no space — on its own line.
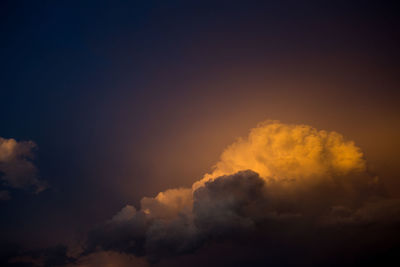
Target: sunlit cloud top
(285,152)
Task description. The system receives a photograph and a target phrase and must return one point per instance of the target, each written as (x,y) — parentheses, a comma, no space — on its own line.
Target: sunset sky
(106,105)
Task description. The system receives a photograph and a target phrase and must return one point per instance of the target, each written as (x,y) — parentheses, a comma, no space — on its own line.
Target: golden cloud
(289,152)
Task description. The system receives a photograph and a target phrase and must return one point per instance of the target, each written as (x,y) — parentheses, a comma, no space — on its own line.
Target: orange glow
(293,157)
(284,152)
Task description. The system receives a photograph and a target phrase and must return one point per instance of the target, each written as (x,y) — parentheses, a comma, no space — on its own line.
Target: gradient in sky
(106,102)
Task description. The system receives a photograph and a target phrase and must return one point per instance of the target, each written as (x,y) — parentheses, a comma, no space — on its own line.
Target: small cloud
(16,167)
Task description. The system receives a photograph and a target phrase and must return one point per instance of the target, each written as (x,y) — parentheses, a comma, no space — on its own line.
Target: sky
(105,104)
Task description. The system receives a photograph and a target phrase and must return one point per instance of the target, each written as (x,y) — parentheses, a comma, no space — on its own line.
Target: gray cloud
(288,194)
(235,207)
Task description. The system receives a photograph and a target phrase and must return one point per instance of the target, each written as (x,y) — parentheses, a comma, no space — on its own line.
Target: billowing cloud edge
(281,173)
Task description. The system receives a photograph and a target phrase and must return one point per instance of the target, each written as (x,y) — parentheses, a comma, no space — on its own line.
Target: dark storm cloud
(16,167)
(242,207)
(310,186)
(124,235)
(227,205)
(230,203)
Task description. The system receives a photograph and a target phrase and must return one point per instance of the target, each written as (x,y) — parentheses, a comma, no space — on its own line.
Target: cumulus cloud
(281,179)
(16,167)
(168,204)
(288,152)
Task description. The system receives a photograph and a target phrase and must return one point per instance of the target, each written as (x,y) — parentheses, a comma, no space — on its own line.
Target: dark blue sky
(127,98)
